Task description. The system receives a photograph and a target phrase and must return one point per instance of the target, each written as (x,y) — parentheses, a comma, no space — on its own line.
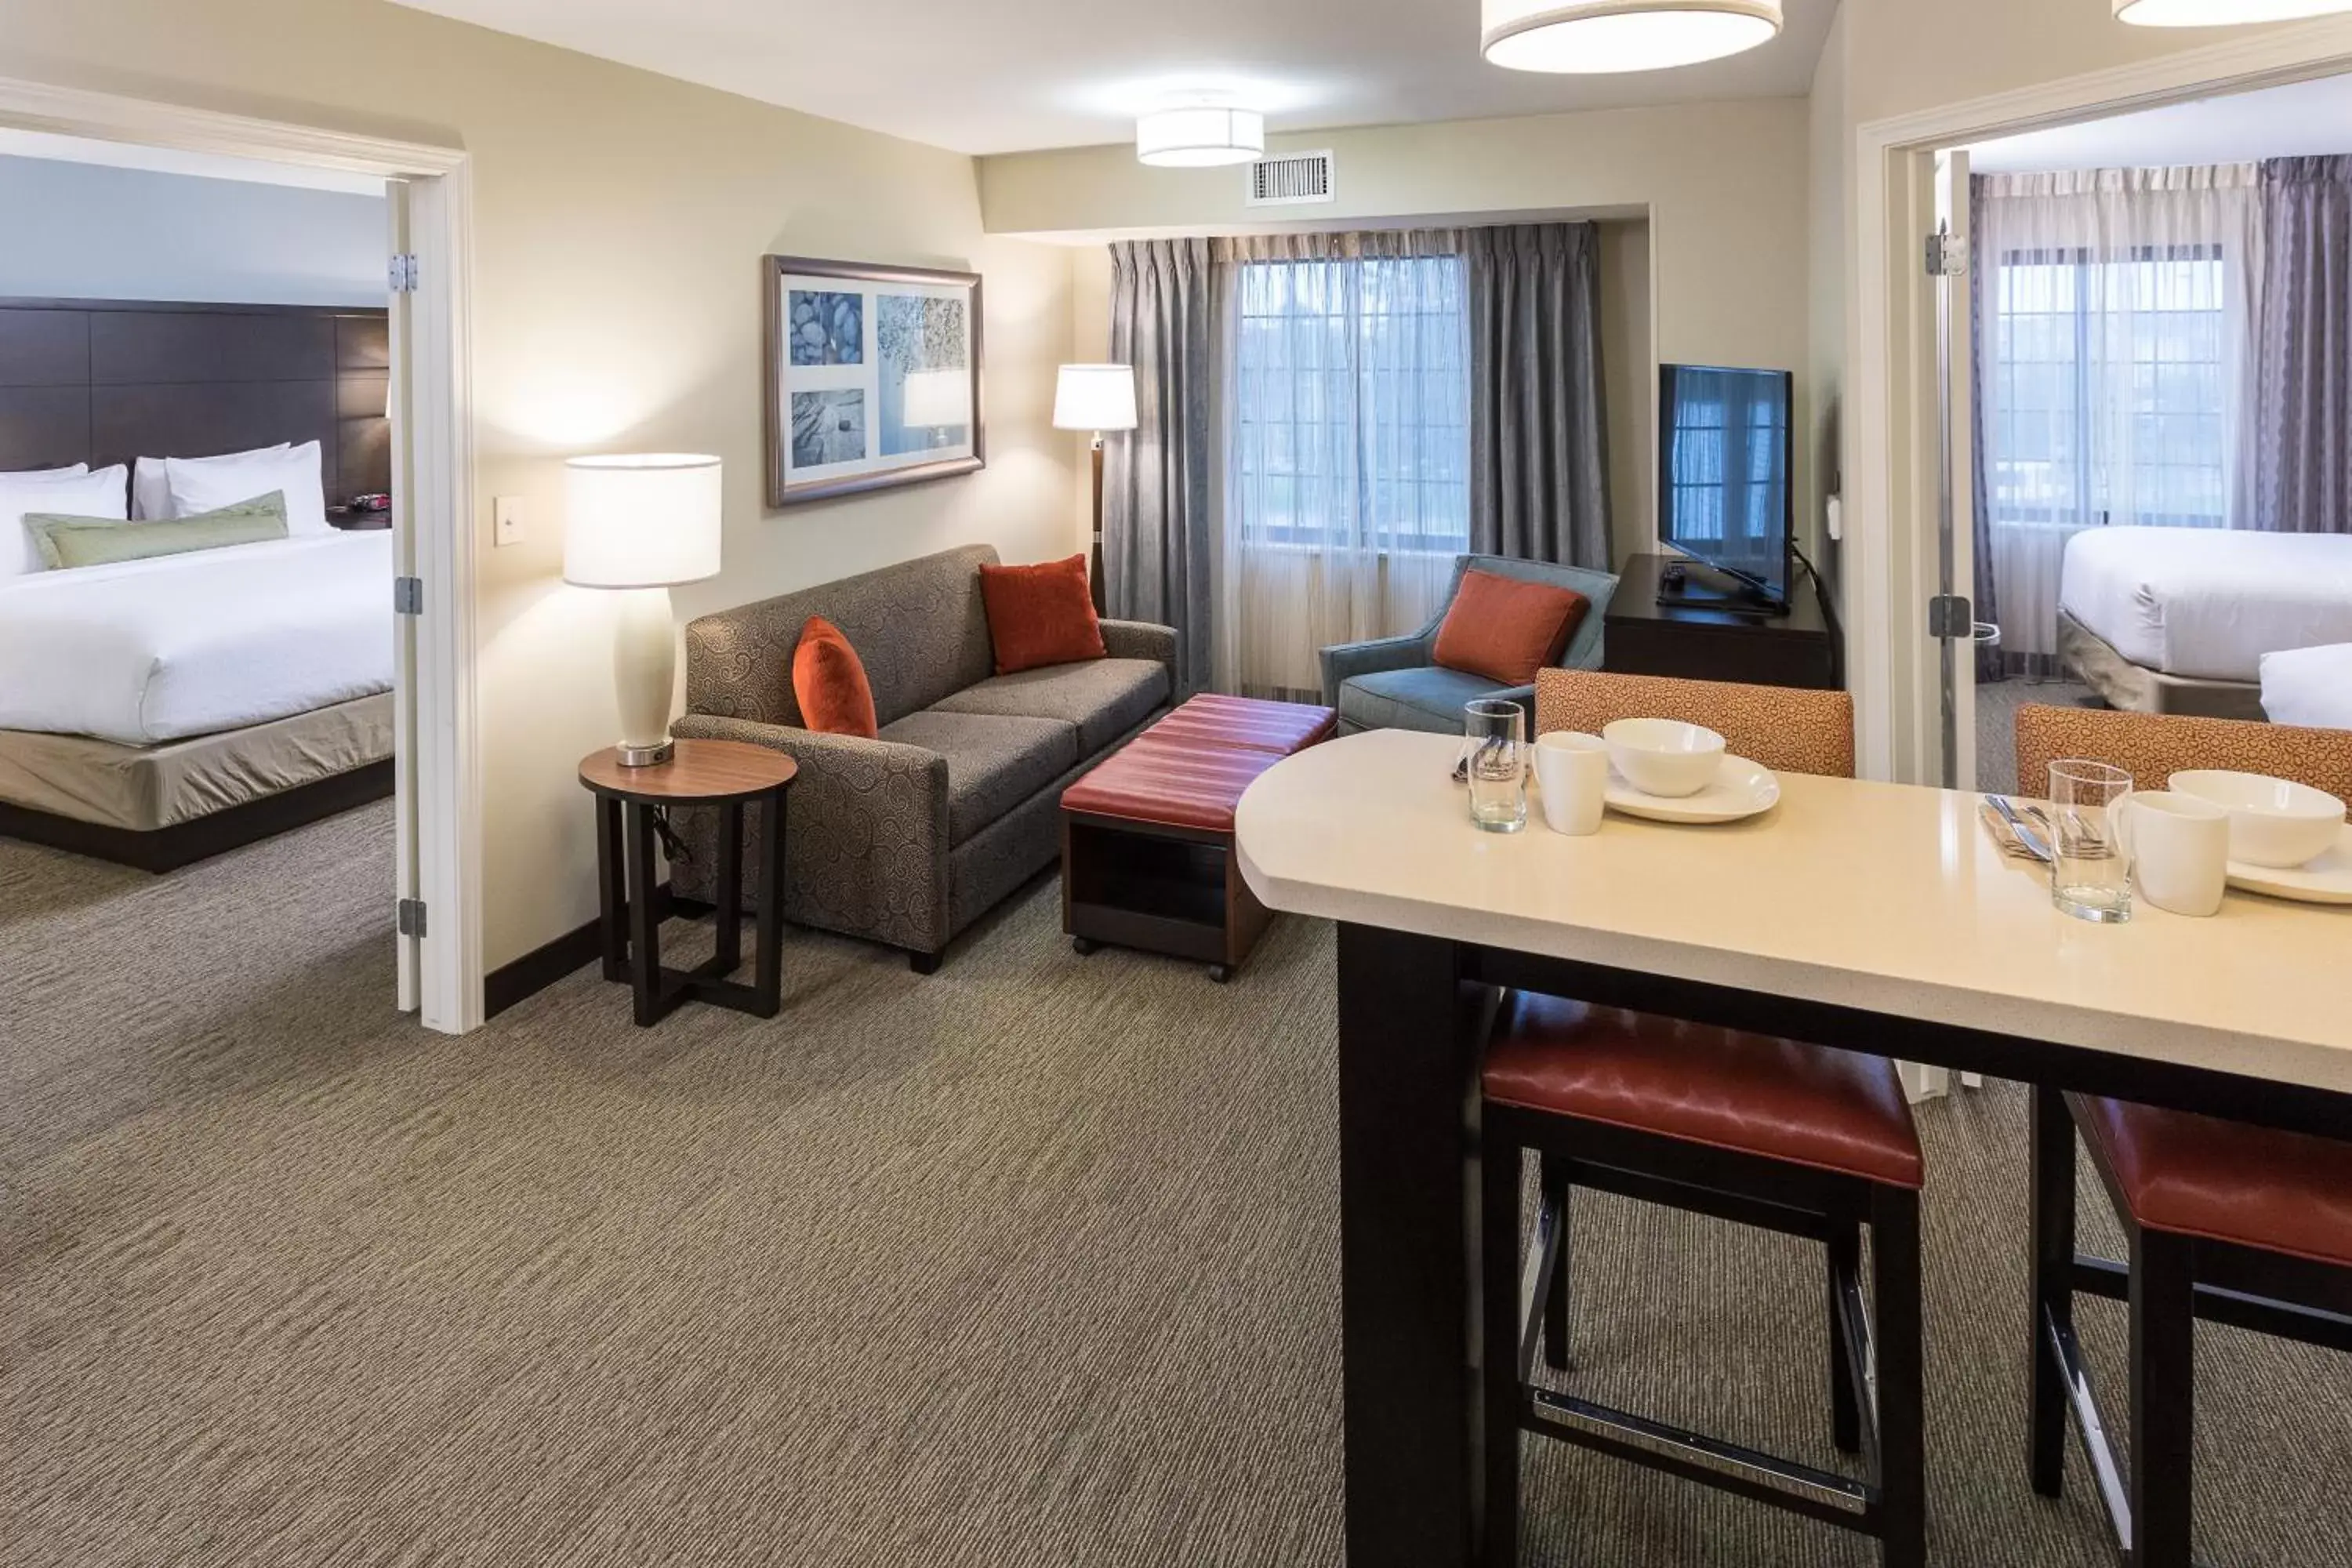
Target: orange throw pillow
(829,682)
(1040,615)
(1505,629)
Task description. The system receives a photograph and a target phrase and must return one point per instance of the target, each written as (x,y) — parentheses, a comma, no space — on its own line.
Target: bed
(156,712)
(2177,620)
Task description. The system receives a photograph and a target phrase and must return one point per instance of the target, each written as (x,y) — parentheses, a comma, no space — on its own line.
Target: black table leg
(644,942)
(1409,1265)
(729,914)
(612,889)
(768,935)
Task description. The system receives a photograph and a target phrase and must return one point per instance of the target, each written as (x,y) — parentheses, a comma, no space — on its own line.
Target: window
(1353,399)
(2111,393)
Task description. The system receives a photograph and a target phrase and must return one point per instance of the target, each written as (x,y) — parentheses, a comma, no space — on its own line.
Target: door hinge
(1948,256)
(1951,618)
(408,595)
(409,915)
(404,273)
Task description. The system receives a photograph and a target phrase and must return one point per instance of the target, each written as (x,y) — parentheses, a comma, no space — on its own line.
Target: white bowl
(1663,756)
(2272,822)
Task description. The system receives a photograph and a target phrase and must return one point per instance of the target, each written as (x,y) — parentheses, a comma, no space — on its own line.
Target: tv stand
(1648,633)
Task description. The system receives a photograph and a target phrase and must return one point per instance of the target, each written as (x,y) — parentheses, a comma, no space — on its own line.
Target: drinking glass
(1496,738)
(2090,875)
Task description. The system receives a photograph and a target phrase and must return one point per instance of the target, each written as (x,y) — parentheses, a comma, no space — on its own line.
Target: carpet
(1997,705)
(1032,1261)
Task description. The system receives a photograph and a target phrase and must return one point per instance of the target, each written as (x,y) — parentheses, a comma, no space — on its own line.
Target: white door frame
(1888,651)
(439,510)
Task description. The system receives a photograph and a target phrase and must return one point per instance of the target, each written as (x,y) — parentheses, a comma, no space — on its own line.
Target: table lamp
(1096,398)
(641,523)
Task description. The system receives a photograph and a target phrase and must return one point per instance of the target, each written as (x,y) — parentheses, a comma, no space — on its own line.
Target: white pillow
(2309,686)
(101,494)
(202,484)
(151,483)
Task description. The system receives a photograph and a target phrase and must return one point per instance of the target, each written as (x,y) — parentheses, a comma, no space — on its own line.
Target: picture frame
(873,377)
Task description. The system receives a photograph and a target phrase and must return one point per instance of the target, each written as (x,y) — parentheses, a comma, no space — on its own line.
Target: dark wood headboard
(106,381)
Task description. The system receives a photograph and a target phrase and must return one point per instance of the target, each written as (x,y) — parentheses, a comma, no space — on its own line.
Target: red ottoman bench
(1148,837)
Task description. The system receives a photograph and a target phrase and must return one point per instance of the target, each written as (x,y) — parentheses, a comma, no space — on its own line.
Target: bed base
(168,848)
(2136,688)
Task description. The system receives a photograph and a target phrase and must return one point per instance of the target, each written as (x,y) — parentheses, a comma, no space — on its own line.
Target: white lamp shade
(1095,397)
(1597,36)
(2222,13)
(1200,137)
(937,397)
(643,520)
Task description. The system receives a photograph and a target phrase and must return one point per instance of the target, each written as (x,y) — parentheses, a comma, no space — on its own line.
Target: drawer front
(1705,653)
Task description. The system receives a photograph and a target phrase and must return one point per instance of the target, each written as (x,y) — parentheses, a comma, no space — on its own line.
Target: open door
(407,879)
(1951,618)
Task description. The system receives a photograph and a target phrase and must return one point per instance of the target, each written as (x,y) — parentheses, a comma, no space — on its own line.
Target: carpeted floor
(1029,1262)
(1997,705)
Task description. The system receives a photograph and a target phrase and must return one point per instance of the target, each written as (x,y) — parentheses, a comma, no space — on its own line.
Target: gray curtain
(2303,353)
(1158,495)
(1539,444)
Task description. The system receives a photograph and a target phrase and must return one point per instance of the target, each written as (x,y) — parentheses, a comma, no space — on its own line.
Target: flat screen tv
(1726,452)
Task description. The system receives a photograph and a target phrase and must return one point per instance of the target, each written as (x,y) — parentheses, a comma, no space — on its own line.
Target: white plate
(2326,880)
(1741,789)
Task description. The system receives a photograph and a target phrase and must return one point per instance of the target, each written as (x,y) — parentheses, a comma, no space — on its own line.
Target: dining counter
(1852,915)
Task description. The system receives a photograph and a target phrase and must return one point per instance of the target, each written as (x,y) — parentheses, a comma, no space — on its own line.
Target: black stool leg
(1559,1196)
(1500,1263)
(2051,1158)
(1901,1414)
(1844,1263)
(2163,1398)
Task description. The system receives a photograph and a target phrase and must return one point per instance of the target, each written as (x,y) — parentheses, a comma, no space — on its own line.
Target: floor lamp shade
(640,523)
(1095,397)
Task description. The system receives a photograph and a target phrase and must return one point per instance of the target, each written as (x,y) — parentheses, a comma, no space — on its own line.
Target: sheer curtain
(1348,446)
(2116,311)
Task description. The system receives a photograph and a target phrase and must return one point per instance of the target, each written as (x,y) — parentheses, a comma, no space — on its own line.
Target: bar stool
(1788,1137)
(2228,1222)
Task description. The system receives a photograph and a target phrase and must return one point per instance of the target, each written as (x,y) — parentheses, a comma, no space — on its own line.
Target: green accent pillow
(68,542)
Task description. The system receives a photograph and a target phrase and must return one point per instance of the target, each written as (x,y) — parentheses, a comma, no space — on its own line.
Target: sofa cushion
(1040,615)
(829,682)
(1102,698)
(995,761)
(1428,698)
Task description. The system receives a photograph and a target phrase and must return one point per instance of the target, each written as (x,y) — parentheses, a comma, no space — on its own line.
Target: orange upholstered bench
(1148,837)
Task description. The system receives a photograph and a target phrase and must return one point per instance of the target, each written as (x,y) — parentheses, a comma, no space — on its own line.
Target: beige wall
(1720,264)
(619,219)
(1832,142)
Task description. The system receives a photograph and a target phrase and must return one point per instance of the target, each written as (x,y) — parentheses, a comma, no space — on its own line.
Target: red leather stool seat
(2279,1192)
(1281,727)
(1778,1100)
(1176,782)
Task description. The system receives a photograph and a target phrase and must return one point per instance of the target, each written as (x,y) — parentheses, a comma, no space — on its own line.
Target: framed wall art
(873,377)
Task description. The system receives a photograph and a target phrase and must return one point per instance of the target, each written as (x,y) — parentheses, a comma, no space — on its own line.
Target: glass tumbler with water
(1497,756)
(2090,875)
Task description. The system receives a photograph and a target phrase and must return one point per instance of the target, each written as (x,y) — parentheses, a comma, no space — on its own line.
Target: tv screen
(1725,449)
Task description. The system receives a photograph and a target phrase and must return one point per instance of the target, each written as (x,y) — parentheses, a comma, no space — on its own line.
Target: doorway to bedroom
(234,595)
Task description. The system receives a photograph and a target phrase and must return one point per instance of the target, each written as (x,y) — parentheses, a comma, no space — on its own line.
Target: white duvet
(2209,603)
(143,651)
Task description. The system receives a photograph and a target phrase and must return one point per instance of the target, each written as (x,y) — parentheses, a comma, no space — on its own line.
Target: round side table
(725,774)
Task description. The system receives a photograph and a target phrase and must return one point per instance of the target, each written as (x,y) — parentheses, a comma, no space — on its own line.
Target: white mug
(2179,846)
(1572,778)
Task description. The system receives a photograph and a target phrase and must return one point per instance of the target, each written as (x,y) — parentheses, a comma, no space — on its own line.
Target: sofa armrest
(1142,640)
(867,849)
(1342,662)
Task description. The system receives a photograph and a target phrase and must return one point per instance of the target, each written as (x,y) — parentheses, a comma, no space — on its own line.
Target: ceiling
(168,161)
(1003,76)
(2305,120)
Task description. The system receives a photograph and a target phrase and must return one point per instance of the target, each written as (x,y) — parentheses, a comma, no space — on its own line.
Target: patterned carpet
(1029,1262)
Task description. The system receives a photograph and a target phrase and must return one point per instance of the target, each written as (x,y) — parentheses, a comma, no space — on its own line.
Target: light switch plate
(506,520)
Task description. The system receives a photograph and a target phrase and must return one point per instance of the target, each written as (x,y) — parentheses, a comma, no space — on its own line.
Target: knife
(2035,845)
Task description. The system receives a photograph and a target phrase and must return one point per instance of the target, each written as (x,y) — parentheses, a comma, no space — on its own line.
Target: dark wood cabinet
(1644,638)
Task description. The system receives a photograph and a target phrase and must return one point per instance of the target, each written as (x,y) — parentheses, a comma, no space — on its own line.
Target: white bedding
(2209,603)
(143,651)
(2309,686)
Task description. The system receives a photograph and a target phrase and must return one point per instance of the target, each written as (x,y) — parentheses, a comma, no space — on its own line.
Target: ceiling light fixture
(1200,136)
(1597,36)
(2222,13)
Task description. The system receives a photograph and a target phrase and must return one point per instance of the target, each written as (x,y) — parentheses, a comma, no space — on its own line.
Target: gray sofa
(1391,684)
(908,839)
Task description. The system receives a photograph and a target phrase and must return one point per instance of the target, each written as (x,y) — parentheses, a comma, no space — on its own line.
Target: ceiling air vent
(1290,179)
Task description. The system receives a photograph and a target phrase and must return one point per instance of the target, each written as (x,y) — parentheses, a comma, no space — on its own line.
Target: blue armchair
(1391,684)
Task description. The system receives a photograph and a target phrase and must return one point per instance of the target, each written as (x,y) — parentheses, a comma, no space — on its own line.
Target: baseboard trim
(576,948)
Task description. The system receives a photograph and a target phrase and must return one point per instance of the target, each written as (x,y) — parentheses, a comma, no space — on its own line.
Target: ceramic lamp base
(645,675)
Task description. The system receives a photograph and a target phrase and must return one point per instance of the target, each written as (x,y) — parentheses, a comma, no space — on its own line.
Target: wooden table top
(1890,898)
(702,771)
